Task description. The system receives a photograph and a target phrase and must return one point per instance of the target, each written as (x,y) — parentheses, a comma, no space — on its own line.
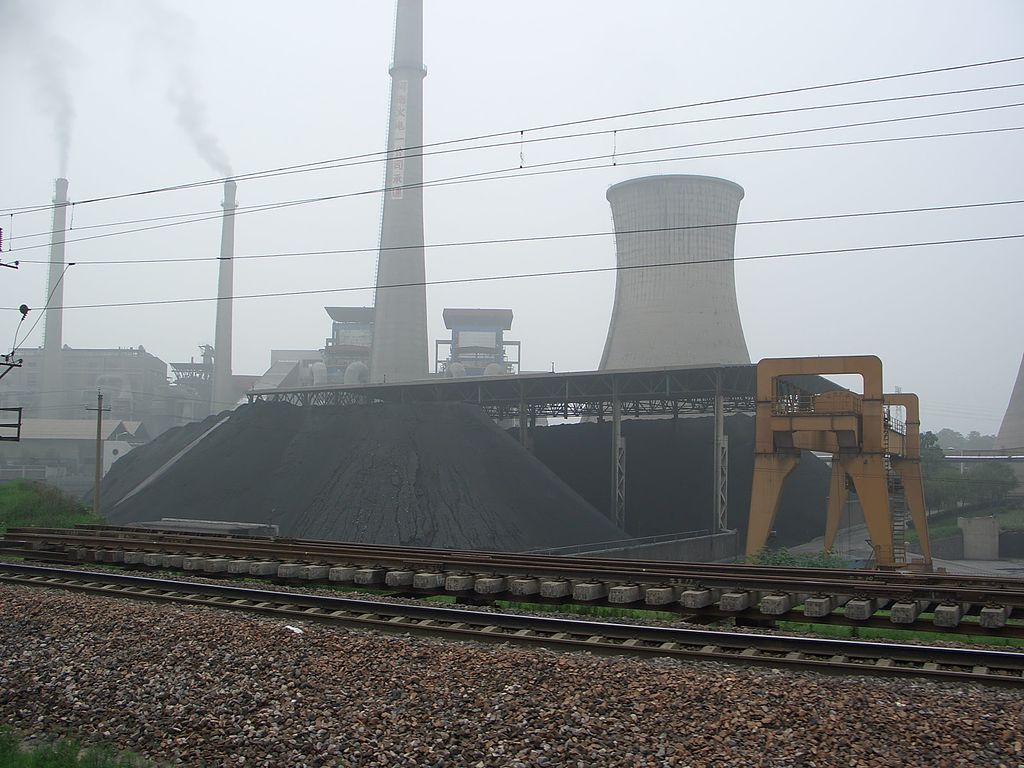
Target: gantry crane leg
(869,480)
(770,473)
(913,491)
(837,497)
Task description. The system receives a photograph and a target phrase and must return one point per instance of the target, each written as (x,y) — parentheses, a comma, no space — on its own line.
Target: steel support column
(618,495)
(721,468)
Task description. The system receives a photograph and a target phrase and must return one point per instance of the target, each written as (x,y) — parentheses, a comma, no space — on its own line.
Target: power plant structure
(1011,430)
(400,349)
(223,391)
(675,289)
(53,331)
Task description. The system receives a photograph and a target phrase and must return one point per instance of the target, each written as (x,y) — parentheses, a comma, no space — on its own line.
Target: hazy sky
(154,94)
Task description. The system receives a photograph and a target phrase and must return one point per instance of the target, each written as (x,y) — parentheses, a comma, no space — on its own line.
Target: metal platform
(642,392)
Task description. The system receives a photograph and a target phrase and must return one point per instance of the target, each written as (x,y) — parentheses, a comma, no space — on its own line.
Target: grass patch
(783,558)
(943,525)
(61,754)
(601,611)
(847,631)
(25,503)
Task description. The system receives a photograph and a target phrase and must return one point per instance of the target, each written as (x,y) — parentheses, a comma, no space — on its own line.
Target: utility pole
(99,448)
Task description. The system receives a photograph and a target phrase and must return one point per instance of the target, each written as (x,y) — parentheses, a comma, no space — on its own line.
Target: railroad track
(751,593)
(845,657)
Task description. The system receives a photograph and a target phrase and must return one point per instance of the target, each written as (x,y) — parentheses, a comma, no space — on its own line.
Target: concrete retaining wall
(981,537)
(946,548)
(1011,544)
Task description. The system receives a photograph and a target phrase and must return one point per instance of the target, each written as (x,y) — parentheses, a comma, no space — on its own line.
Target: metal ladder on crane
(897,502)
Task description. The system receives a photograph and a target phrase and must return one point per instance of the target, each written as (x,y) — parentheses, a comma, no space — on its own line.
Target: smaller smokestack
(53,330)
(53,335)
(223,391)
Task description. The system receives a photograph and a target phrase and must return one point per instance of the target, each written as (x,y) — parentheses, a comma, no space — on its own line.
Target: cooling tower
(223,394)
(685,314)
(53,335)
(399,351)
(1011,431)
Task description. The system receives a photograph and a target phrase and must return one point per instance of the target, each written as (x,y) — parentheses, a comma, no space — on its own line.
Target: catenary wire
(563,124)
(551,273)
(206,212)
(544,169)
(544,238)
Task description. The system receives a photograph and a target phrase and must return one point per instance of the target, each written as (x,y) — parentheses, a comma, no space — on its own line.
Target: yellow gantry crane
(879,456)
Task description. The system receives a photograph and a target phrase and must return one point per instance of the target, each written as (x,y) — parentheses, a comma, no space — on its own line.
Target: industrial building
(346,355)
(675,289)
(477,346)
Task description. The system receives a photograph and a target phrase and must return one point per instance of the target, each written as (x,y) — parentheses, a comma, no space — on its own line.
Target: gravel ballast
(199,686)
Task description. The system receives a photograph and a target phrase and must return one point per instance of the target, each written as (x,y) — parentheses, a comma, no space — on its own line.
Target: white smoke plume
(172,37)
(192,117)
(28,34)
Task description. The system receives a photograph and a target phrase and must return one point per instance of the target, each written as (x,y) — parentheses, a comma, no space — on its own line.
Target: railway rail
(783,652)
(934,601)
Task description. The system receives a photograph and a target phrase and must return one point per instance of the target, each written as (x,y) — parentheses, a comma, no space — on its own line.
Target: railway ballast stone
(625,593)
(369,576)
(555,588)
(217,688)
(524,587)
(994,616)
(264,568)
(290,570)
(342,573)
(776,605)
(697,598)
(734,601)
(490,585)
(818,606)
(660,595)
(399,578)
(947,615)
(315,572)
(861,608)
(428,580)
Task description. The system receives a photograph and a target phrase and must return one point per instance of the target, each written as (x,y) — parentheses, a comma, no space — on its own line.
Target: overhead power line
(333,164)
(543,238)
(544,169)
(550,273)
(549,126)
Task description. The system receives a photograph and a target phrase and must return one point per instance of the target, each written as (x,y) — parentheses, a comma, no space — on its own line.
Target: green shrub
(26,503)
(784,559)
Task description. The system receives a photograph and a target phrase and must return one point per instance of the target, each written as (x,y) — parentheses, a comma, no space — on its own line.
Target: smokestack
(676,315)
(399,351)
(53,335)
(223,395)
(53,330)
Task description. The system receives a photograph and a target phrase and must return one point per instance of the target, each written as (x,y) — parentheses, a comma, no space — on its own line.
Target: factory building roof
(350,314)
(77,429)
(478,318)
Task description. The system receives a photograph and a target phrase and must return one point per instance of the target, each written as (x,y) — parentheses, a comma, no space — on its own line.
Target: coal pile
(669,475)
(439,475)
